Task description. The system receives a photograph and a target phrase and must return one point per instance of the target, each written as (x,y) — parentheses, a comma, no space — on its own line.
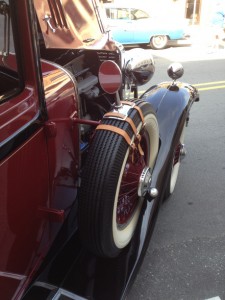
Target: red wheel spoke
(134,174)
(134,190)
(128,184)
(128,196)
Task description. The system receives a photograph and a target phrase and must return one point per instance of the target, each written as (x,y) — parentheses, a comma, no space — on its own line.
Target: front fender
(172,104)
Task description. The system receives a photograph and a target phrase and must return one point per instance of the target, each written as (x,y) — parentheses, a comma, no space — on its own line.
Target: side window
(9,79)
(123,13)
(118,13)
(139,14)
(112,13)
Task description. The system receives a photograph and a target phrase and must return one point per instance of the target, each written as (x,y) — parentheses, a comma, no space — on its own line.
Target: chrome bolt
(153,192)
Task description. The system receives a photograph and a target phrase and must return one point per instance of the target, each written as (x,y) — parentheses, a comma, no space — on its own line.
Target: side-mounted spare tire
(109,199)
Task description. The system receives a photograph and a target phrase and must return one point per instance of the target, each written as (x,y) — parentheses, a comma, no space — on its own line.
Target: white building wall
(174,8)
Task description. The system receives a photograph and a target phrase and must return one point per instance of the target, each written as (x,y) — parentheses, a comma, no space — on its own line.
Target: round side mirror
(175,71)
(110,77)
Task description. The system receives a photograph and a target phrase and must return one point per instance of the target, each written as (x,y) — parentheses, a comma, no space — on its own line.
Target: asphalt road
(186,255)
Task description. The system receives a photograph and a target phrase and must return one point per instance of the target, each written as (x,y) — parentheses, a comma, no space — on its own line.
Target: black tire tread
(99,182)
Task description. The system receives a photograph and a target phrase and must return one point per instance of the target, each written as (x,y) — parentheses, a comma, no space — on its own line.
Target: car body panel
(38,166)
(62,105)
(131,32)
(61,30)
(47,160)
(21,217)
(173,109)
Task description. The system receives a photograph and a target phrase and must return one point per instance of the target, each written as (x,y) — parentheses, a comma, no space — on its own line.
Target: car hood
(71,24)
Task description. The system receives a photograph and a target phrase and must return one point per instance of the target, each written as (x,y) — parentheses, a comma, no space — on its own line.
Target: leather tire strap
(137,108)
(121,131)
(123,118)
(118,131)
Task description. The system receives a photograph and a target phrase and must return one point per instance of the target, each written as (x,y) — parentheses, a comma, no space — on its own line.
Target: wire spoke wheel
(109,202)
(128,196)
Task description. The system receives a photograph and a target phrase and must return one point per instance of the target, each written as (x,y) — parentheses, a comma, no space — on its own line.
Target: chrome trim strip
(58,291)
(70,75)
(45,285)
(12,275)
(72,296)
(20,129)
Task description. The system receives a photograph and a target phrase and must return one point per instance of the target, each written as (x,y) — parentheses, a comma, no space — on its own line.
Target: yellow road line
(200,86)
(209,83)
(212,88)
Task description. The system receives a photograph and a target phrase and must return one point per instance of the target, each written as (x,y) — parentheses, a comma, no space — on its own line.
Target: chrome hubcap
(144,182)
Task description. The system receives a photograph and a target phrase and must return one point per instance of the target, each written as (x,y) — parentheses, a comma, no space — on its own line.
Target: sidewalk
(197,48)
(200,36)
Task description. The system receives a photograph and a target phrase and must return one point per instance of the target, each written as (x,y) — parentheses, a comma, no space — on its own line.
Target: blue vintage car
(131,25)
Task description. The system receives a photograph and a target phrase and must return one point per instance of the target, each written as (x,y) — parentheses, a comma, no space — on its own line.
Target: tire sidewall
(122,237)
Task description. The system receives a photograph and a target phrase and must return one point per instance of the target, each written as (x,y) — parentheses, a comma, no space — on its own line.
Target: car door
(143,27)
(23,161)
(120,24)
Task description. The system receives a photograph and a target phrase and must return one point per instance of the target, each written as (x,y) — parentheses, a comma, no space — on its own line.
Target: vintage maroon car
(83,169)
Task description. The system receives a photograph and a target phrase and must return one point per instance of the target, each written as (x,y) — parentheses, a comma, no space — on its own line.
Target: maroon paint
(38,172)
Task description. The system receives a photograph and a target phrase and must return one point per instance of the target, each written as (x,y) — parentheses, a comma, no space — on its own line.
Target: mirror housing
(139,66)
(175,71)
(110,77)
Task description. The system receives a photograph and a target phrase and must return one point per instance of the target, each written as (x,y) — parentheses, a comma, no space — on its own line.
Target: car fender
(172,103)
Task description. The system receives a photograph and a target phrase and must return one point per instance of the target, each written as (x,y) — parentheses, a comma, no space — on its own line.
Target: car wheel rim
(123,227)
(159,41)
(128,196)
